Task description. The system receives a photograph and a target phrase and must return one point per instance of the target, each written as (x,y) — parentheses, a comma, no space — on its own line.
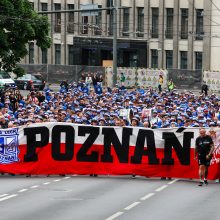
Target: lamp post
(115,9)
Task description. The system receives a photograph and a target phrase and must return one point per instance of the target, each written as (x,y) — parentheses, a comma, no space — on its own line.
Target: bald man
(203,153)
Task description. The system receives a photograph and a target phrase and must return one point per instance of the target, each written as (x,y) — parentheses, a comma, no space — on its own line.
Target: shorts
(203,161)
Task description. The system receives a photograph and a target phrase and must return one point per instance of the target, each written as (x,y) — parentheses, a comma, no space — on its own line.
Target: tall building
(182,34)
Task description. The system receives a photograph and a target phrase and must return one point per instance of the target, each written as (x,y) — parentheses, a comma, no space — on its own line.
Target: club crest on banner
(9,146)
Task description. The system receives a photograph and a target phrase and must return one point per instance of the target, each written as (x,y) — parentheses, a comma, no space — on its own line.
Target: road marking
(33,187)
(173,181)
(132,206)
(147,196)
(161,188)
(22,190)
(47,183)
(8,197)
(67,177)
(3,195)
(57,180)
(115,216)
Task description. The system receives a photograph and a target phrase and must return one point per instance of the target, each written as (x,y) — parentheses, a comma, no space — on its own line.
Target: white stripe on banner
(157,134)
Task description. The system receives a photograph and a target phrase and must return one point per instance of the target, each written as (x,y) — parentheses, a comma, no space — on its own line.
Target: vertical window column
(84,29)
(183,60)
(199,24)
(169,59)
(198,60)
(70,25)
(57,54)
(140,22)
(154,58)
(184,23)
(155,23)
(57,25)
(126,16)
(98,23)
(169,24)
(44,56)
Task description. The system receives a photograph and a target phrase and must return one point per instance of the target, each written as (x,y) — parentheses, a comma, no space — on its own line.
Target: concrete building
(182,34)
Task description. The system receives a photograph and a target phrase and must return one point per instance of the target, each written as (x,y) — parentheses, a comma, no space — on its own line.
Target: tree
(19,25)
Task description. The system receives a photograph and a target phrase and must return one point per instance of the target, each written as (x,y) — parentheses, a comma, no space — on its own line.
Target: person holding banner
(203,153)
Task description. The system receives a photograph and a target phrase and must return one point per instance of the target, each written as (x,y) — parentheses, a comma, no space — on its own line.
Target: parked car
(28,80)
(6,81)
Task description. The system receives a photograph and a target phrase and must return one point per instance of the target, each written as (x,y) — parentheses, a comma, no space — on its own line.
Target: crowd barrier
(57,148)
(212,79)
(144,77)
(137,77)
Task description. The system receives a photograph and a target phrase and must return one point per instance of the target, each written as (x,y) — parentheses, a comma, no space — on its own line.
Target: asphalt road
(106,198)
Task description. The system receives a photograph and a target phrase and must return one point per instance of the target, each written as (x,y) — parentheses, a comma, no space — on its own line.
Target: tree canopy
(19,25)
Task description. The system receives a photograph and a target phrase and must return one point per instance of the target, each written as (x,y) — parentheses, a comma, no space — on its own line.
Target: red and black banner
(56,148)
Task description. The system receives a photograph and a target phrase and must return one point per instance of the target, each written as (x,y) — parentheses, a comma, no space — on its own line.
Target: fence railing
(183,79)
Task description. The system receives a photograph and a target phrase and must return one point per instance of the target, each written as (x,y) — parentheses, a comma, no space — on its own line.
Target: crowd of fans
(88,102)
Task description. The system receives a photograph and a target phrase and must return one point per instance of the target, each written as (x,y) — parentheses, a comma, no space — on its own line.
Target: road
(106,198)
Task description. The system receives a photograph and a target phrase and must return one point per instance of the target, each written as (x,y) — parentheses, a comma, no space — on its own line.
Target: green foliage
(20,24)
(19,71)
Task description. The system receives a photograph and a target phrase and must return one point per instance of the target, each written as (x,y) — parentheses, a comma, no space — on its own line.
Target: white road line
(115,216)
(33,187)
(161,188)
(67,177)
(8,197)
(47,183)
(173,181)
(147,196)
(132,206)
(57,180)
(22,190)
(3,195)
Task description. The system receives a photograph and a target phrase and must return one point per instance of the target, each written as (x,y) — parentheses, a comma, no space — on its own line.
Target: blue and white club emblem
(9,146)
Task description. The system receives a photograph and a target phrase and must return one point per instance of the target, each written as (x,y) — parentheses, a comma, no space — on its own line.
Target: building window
(169,59)
(98,22)
(57,27)
(183,59)
(126,16)
(140,22)
(44,7)
(57,54)
(31,53)
(154,58)
(44,56)
(71,54)
(198,60)
(111,20)
(109,4)
(85,28)
(70,25)
(169,25)
(32,5)
(199,24)
(155,22)
(184,23)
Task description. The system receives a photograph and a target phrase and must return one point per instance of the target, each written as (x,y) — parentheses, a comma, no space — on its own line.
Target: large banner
(186,79)
(57,148)
(137,77)
(212,79)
